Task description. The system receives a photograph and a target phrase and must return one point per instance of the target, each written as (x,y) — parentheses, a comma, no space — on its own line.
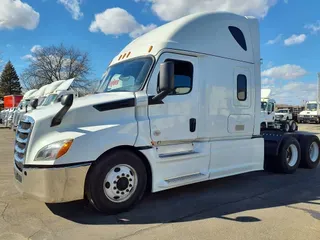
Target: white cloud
(73,6)
(315,27)
(269,65)
(294,92)
(117,21)
(276,40)
(28,57)
(15,14)
(169,10)
(286,72)
(286,1)
(8,45)
(295,39)
(35,48)
(268,81)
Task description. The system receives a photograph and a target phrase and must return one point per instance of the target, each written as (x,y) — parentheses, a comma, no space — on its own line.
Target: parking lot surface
(257,205)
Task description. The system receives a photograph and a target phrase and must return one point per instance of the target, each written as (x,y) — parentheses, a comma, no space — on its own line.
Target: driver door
(175,118)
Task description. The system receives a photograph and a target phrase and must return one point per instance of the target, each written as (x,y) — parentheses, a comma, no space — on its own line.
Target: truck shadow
(212,199)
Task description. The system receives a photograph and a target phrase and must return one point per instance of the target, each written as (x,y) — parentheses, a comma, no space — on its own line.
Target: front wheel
(116,182)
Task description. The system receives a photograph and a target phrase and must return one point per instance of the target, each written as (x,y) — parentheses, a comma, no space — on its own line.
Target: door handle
(192,124)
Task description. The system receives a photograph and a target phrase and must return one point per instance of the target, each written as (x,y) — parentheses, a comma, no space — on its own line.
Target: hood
(87,101)
(307,112)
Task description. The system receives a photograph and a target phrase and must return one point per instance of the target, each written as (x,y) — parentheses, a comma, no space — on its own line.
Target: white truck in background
(45,96)
(284,114)
(311,114)
(56,92)
(271,119)
(178,105)
(24,102)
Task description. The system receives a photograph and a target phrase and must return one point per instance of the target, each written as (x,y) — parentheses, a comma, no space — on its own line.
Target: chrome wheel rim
(120,183)
(292,155)
(294,126)
(314,152)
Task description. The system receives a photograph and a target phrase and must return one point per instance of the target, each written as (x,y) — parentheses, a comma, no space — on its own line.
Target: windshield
(312,106)
(50,99)
(127,76)
(41,100)
(282,111)
(264,106)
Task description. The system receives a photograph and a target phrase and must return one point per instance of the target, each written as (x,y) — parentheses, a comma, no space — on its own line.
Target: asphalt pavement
(257,205)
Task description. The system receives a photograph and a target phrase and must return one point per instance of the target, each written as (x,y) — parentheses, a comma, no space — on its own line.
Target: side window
(183,77)
(238,36)
(242,87)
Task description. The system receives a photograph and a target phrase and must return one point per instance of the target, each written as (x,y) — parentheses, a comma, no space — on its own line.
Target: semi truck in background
(311,114)
(157,121)
(22,105)
(272,119)
(45,96)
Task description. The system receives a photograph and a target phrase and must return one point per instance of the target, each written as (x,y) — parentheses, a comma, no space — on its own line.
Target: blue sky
(290,33)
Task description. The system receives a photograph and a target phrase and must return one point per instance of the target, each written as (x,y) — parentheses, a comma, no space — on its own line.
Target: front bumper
(52,185)
(308,119)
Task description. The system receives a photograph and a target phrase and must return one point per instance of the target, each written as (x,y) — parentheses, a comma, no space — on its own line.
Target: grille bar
(22,138)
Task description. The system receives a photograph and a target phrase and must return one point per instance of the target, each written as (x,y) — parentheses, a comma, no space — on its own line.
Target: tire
(310,158)
(286,127)
(111,193)
(289,156)
(293,126)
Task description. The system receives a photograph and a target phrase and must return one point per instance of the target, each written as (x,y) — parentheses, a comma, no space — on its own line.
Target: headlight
(54,151)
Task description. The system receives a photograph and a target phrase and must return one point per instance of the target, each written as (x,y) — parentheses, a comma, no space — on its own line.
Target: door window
(242,87)
(183,77)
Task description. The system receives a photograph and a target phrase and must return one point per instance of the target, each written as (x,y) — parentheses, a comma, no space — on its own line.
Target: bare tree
(54,63)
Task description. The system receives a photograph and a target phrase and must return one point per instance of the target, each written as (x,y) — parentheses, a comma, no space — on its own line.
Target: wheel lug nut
(127,175)
(122,193)
(130,180)
(127,190)
(123,174)
(130,185)
(114,188)
(118,192)
(115,182)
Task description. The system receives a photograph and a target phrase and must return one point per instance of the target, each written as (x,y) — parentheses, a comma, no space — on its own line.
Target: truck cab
(62,90)
(267,109)
(311,113)
(178,105)
(284,114)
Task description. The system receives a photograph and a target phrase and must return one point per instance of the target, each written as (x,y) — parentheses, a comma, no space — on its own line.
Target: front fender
(89,142)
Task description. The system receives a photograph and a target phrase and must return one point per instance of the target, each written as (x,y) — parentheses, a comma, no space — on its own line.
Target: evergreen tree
(9,81)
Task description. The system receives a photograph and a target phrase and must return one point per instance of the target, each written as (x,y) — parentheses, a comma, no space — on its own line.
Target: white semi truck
(311,114)
(178,105)
(272,119)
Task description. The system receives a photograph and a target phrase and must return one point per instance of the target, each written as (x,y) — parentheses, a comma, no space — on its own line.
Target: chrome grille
(22,139)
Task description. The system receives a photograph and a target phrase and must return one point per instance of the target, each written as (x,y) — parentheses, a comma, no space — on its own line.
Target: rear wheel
(310,156)
(117,182)
(289,156)
(293,126)
(286,127)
